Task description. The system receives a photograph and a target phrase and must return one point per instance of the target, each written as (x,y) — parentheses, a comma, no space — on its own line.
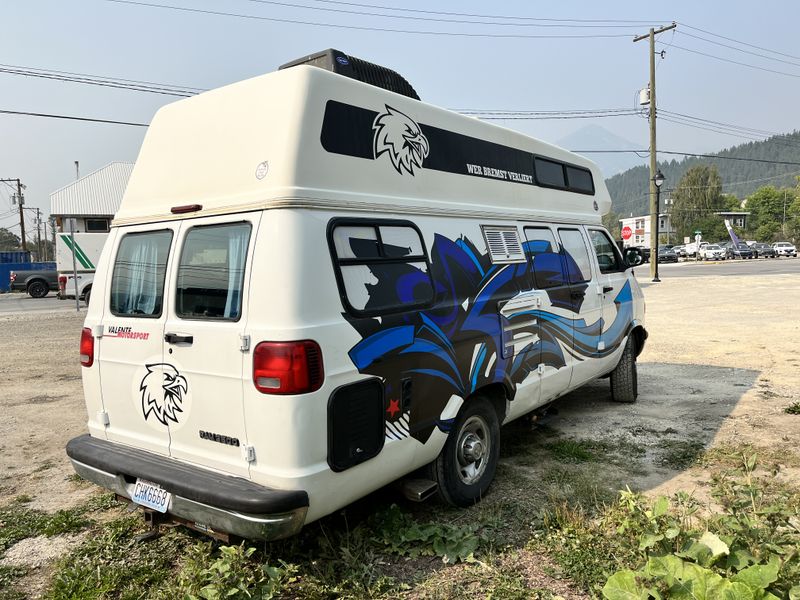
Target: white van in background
(315,286)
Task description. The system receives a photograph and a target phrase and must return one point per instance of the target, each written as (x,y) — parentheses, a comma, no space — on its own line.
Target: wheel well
(34,280)
(497,394)
(639,336)
(86,290)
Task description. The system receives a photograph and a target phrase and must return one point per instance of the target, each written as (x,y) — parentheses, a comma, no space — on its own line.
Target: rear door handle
(178,338)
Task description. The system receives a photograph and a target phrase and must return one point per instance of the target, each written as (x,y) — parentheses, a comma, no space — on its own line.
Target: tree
(8,241)
(697,197)
(611,222)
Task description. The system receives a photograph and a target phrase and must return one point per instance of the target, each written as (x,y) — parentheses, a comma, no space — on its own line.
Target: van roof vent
(504,244)
(355,68)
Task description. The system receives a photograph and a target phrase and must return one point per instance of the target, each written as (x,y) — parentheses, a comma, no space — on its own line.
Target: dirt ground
(721,364)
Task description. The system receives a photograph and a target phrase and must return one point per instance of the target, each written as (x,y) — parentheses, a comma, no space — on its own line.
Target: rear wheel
(38,288)
(467,464)
(624,379)
(86,295)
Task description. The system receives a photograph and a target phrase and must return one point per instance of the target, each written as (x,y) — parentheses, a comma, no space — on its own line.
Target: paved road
(762,266)
(22,303)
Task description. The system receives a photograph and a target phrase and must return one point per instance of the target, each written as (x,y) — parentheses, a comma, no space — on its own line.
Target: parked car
(666,255)
(680,250)
(713,252)
(761,250)
(740,250)
(784,249)
(37,283)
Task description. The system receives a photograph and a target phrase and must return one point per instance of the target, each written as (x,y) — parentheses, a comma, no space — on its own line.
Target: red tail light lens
(12,276)
(87,347)
(287,367)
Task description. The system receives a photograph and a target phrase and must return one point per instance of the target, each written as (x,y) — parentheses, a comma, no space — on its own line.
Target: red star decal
(394,408)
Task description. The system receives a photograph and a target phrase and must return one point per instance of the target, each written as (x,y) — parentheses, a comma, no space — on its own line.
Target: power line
(728,60)
(536,22)
(459,14)
(740,42)
(365,28)
(702,120)
(690,154)
(697,37)
(71,118)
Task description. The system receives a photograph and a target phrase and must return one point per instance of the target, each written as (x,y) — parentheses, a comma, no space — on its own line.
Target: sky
(127,39)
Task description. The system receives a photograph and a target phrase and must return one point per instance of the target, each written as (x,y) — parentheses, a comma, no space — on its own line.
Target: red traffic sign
(626,233)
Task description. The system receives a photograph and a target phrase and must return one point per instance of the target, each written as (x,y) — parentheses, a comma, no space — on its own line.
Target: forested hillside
(629,190)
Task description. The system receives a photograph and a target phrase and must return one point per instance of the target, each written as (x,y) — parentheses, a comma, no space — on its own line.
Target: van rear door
(130,350)
(203,340)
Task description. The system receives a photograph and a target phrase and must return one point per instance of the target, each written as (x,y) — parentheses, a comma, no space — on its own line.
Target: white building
(640,229)
(91,200)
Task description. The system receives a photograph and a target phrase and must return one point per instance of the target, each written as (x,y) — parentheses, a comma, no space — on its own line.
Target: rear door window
(546,260)
(137,282)
(576,254)
(211,272)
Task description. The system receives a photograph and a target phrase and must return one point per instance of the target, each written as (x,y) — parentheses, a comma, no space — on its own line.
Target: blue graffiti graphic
(456,346)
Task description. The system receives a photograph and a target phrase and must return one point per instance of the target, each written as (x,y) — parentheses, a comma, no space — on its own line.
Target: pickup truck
(37,283)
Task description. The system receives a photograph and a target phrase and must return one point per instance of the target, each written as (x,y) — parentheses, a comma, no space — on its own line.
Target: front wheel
(624,379)
(467,464)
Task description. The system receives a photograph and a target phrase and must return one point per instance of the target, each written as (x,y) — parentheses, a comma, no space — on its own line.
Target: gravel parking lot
(721,366)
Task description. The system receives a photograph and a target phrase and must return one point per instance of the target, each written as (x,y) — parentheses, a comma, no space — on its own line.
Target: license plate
(151,495)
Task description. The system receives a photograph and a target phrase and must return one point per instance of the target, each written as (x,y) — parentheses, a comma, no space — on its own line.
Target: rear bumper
(211,501)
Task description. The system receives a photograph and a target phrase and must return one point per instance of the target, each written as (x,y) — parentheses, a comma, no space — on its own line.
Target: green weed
(792,409)
(18,523)
(8,575)
(680,454)
(570,451)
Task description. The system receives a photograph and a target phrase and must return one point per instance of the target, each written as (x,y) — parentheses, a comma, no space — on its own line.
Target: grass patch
(8,575)
(18,523)
(111,564)
(731,456)
(680,454)
(792,409)
(571,451)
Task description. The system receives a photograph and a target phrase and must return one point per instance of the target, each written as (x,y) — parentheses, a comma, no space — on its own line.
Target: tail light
(287,367)
(62,284)
(12,276)
(87,347)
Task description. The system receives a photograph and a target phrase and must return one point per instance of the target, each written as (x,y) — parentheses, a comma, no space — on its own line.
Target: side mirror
(633,257)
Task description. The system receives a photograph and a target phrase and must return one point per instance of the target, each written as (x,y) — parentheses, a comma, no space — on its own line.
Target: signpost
(698,235)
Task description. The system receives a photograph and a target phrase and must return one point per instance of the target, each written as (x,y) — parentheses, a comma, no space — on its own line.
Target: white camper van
(315,286)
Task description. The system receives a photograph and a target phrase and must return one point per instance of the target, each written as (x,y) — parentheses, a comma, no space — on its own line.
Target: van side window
(382,266)
(211,272)
(543,249)
(137,282)
(607,256)
(577,256)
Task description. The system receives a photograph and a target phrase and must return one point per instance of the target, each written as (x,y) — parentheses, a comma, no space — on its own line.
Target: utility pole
(39,233)
(653,156)
(21,201)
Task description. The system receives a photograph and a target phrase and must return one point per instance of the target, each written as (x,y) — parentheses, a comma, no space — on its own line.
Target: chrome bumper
(207,518)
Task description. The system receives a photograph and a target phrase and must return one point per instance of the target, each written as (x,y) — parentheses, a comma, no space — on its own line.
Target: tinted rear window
(549,173)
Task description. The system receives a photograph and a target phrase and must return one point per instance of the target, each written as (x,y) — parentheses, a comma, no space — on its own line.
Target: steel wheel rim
(473,449)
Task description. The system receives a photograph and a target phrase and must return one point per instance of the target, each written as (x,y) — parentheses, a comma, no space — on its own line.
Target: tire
(38,288)
(86,295)
(624,379)
(464,478)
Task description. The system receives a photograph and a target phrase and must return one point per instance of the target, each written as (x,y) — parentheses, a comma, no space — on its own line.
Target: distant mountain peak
(597,137)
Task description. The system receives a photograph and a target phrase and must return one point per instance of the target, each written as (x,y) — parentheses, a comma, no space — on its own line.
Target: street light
(658,179)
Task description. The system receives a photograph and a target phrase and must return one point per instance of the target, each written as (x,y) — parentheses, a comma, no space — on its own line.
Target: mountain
(629,190)
(595,137)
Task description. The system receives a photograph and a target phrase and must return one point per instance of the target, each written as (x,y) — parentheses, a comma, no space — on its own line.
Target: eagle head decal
(162,392)
(399,136)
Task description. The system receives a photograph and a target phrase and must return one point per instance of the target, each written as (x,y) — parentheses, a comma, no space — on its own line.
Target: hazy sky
(131,41)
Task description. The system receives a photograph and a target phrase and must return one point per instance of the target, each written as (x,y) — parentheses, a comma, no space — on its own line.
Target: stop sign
(626,233)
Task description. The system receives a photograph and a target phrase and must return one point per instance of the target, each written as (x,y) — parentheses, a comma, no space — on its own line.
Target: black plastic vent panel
(356,68)
(355,424)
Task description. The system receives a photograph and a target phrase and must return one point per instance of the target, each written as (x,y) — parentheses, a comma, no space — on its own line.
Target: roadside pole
(72,243)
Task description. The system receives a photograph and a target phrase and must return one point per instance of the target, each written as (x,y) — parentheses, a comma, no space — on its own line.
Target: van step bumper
(211,500)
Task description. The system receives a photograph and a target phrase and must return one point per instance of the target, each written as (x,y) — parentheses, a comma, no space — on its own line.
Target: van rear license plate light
(287,367)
